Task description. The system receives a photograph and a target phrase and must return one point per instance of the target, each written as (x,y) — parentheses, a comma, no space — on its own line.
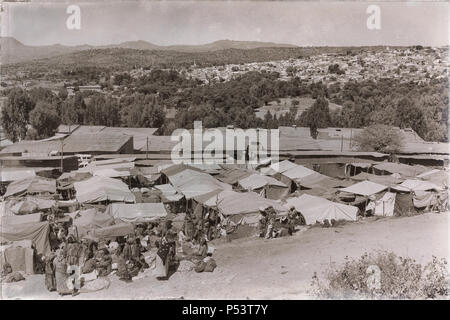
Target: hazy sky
(186,22)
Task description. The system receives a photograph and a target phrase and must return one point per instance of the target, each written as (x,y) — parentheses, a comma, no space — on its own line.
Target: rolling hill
(13,51)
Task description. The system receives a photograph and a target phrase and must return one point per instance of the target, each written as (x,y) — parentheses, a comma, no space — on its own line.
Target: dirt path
(274,269)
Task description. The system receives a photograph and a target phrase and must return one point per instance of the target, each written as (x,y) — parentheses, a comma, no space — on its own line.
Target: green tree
(379,138)
(15,114)
(316,116)
(44,119)
(410,115)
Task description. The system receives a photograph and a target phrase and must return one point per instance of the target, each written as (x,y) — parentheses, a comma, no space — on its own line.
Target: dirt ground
(282,268)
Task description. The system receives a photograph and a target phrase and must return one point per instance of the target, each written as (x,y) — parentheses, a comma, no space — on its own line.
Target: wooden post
(342,142)
(146,153)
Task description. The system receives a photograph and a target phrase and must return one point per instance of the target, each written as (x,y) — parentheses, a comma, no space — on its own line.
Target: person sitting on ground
(203,250)
(122,269)
(103,262)
(284,229)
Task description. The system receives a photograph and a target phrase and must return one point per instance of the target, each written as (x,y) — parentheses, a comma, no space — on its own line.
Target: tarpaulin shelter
(365,188)
(383,206)
(169,194)
(21,219)
(98,189)
(110,173)
(138,212)
(33,185)
(438,177)
(390,204)
(192,183)
(426,199)
(19,255)
(405,170)
(233,175)
(388,180)
(90,219)
(271,187)
(110,232)
(316,209)
(320,181)
(242,207)
(417,185)
(282,166)
(36,232)
(30,204)
(14,175)
(67,179)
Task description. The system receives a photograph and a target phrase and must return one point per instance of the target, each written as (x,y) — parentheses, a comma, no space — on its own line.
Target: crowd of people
(271,226)
(85,257)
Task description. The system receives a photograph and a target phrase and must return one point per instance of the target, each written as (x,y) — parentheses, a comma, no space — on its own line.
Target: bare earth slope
(274,269)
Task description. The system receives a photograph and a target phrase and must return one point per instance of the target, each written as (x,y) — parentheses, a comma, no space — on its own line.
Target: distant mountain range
(13,51)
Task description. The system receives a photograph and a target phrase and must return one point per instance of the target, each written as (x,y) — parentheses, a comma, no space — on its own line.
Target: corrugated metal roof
(100,142)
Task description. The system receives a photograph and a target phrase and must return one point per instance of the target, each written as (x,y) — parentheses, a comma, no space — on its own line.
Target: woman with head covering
(50,279)
(162,259)
(61,275)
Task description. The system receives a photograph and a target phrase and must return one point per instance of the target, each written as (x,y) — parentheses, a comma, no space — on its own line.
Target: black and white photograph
(224,150)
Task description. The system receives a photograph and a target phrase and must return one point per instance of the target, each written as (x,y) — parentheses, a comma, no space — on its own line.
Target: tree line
(143,101)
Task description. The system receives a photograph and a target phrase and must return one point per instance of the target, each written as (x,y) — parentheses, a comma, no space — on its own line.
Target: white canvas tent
(98,189)
(271,187)
(365,188)
(138,212)
(315,209)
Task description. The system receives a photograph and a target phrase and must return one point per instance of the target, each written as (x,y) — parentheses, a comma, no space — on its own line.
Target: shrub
(400,278)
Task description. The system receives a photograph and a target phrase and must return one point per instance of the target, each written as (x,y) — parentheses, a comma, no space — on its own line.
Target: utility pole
(146,153)
(62,155)
(342,142)
(351,136)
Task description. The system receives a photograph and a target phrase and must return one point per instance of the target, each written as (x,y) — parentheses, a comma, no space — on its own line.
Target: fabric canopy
(232,203)
(169,194)
(139,212)
(31,186)
(383,206)
(117,230)
(36,232)
(273,189)
(316,209)
(282,166)
(90,219)
(365,188)
(438,177)
(97,189)
(13,175)
(320,181)
(257,181)
(403,169)
(192,183)
(417,185)
(31,204)
(110,173)
(384,180)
